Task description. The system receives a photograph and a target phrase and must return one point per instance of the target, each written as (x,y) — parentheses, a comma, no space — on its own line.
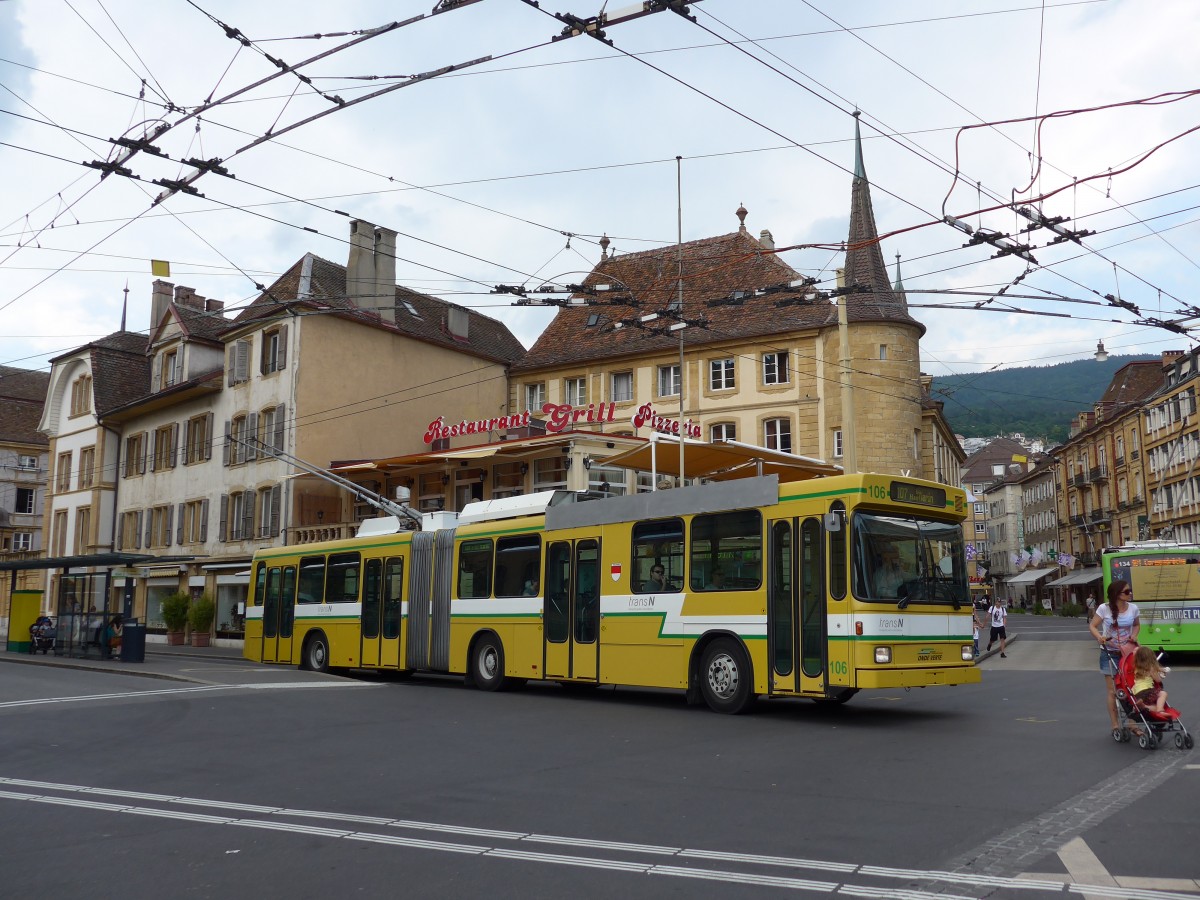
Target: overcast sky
(485,172)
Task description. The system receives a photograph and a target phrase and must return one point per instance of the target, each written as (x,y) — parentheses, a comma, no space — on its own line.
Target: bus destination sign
(903,492)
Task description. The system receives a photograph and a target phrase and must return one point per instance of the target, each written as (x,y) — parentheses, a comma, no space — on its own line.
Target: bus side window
(658,543)
(341,580)
(312,580)
(393,596)
(518,566)
(837,553)
(475,569)
(260,585)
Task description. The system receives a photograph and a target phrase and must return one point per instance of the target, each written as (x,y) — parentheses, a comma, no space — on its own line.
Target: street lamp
(1101,353)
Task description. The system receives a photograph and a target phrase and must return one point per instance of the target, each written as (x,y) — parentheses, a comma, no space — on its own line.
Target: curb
(988,654)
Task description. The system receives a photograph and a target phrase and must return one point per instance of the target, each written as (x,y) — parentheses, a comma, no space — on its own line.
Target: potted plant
(200,616)
(175,616)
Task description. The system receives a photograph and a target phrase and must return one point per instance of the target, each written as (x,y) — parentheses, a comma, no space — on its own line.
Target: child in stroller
(42,635)
(1141,711)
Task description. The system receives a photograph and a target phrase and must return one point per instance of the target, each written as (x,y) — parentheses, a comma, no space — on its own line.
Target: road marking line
(1079,854)
(125,695)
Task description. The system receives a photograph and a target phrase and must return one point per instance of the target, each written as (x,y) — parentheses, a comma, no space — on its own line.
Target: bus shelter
(85,604)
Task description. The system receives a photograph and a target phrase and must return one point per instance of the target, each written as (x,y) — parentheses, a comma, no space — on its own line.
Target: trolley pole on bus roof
(849,438)
(681,326)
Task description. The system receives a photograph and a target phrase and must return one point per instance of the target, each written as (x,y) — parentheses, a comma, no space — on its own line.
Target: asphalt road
(260,781)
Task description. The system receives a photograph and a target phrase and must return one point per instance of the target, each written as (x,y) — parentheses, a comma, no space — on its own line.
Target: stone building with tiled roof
(760,360)
(328,363)
(23,471)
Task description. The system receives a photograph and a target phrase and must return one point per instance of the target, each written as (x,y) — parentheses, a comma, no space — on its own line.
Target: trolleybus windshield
(906,560)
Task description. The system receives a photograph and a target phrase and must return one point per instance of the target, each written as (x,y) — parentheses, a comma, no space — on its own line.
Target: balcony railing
(1088,558)
(1098,473)
(311,534)
(1133,454)
(1079,480)
(1100,515)
(1079,521)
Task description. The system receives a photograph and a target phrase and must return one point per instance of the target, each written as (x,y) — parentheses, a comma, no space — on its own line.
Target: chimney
(159,301)
(360,268)
(766,239)
(214,306)
(385,273)
(186,296)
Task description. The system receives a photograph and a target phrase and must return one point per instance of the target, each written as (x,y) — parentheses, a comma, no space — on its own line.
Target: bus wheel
(488,664)
(725,678)
(316,652)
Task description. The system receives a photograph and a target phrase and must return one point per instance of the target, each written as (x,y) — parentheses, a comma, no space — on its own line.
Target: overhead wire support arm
(594,26)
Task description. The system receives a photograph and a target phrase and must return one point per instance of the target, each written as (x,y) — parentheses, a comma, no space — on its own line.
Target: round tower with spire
(884,348)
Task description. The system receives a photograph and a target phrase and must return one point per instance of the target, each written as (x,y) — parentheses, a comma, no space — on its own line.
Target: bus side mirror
(833,521)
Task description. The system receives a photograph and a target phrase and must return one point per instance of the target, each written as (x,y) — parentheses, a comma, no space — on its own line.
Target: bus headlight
(883,655)
(968,652)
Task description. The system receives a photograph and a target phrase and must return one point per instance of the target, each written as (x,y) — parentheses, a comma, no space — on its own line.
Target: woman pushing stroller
(1115,627)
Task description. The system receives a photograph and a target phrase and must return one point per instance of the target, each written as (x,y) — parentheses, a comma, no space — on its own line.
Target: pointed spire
(860,170)
(864,256)
(125,304)
(898,287)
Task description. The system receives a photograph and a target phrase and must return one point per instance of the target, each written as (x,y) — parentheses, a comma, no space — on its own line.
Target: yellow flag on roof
(160,268)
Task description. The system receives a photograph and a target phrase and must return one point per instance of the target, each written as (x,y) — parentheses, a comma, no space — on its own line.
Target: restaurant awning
(720,460)
(1031,575)
(1083,576)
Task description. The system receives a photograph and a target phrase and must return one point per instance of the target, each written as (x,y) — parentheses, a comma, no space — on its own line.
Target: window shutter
(232,365)
(121,532)
(145,448)
(252,436)
(179,366)
(169,512)
(223,531)
(187,441)
(280,414)
(225,451)
(243,362)
(174,444)
(148,518)
(276,500)
(281,355)
(179,534)
(248,514)
(153,451)
(208,435)
(203,520)
(156,378)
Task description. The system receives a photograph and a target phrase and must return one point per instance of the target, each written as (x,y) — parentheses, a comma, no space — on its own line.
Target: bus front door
(796,624)
(571,614)
(278,614)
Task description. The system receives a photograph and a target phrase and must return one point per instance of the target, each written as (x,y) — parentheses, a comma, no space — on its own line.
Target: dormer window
(412,310)
(170,369)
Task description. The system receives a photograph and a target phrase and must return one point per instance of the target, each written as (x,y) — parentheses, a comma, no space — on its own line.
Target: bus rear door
(279,600)
(571,615)
(796,610)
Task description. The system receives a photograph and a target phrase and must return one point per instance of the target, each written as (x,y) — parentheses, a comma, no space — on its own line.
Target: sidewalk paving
(162,661)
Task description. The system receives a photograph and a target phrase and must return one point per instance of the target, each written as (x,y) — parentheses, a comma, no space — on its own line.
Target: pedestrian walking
(998,616)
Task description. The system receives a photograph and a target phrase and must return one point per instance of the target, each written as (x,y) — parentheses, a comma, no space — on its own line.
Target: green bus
(1165,578)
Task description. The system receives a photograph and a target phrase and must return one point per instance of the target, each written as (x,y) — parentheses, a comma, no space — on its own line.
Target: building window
(575,391)
(240,522)
(158,526)
(270,428)
(27,462)
(240,433)
(622,387)
(135,455)
(58,546)
(62,474)
(775,368)
(238,364)
(83,527)
(81,395)
(980,529)
(608,481)
(165,453)
(87,467)
(198,438)
(130,536)
(193,522)
(535,396)
(720,374)
(22,540)
(777,434)
(838,449)
(883,351)
(981,509)
(268,505)
(172,369)
(274,350)
(723,431)
(507,480)
(431,492)
(24,504)
(668,381)
(550,473)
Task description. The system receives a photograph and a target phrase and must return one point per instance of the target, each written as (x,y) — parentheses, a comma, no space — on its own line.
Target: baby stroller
(42,635)
(1154,726)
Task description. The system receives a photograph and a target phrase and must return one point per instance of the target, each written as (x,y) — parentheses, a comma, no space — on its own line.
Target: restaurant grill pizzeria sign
(558,417)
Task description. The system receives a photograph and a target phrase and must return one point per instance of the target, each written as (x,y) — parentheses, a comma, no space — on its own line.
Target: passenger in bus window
(658,581)
(717,582)
(532,587)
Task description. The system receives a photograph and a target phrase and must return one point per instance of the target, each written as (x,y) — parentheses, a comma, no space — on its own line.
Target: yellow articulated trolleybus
(727,591)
